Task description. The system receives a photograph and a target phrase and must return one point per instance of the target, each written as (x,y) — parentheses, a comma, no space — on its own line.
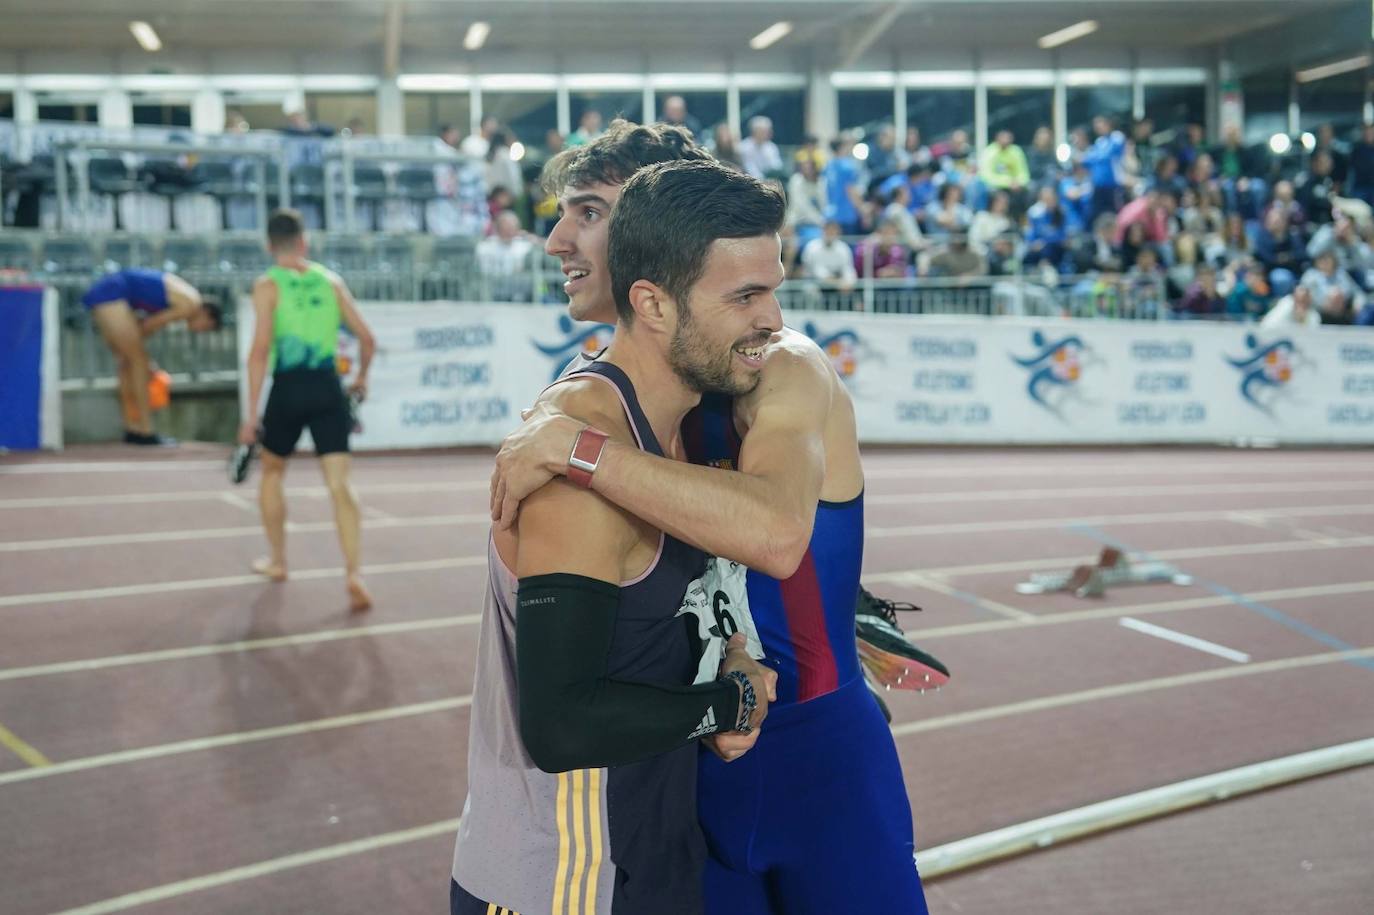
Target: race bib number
(719,600)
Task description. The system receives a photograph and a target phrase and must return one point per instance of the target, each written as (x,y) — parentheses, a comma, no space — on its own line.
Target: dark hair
(284,227)
(669,214)
(622,150)
(212,308)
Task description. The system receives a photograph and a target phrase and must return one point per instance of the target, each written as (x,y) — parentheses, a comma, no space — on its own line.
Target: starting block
(1112,570)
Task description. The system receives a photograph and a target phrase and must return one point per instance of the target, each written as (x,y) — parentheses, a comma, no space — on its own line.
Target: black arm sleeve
(572,714)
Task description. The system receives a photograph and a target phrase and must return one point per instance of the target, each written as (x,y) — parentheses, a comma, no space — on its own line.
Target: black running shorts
(306,399)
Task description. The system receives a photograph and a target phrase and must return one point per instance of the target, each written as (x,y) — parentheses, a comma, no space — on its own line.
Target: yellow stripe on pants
(579,801)
(594,818)
(561,817)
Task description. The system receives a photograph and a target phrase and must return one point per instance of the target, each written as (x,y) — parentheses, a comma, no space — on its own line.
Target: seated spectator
(791,252)
(956,259)
(1100,253)
(947,215)
(1166,178)
(829,259)
(1079,145)
(502,170)
(1201,177)
(919,183)
(1284,200)
(881,254)
(1360,181)
(1293,309)
(898,211)
(1048,232)
(1353,254)
(914,152)
(588,128)
(1182,270)
(478,145)
(1315,187)
(842,188)
(725,147)
(1248,296)
(1004,168)
(1233,244)
(882,155)
(990,223)
(810,149)
(758,153)
(1151,211)
(1042,160)
(1239,169)
(675,113)
(1076,196)
(1334,293)
(1132,243)
(1144,286)
(1189,145)
(1001,255)
(1141,157)
(1202,217)
(1280,250)
(806,201)
(1202,298)
(1328,143)
(957,160)
(500,200)
(504,260)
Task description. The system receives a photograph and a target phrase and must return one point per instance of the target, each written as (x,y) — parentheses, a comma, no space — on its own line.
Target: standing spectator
(1293,309)
(1337,150)
(914,152)
(1333,291)
(991,223)
(1280,251)
(460,207)
(1315,188)
(882,155)
(588,128)
(501,169)
(1361,174)
(1202,298)
(830,261)
(1076,196)
(881,254)
(1004,168)
(675,113)
(1079,145)
(806,202)
(845,201)
(725,148)
(947,215)
(450,136)
(1239,169)
(1048,232)
(898,212)
(1189,145)
(504,260)
(1042,159)
(758,152)
(1103,159)
(478,145)
(1142,152)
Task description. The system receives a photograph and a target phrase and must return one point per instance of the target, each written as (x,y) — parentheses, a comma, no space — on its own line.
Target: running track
(177,736)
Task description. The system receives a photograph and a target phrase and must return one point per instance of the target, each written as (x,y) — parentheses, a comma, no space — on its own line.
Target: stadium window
(1337,100)
(156,114)
(939,112)
(1083,103)
(76,113)
(610,104)
(426,112)
(707,109)
(340,109)
(6,106)
(1020,110)
(786,108)
(1265,97)
(260,113)
(865,109)
(527,115)
(1175,107)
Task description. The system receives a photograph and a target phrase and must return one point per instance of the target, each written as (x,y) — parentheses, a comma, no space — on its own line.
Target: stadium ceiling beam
(391,39)
(859,42)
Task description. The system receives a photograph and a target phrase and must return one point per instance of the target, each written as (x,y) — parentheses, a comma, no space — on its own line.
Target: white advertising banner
(459,374)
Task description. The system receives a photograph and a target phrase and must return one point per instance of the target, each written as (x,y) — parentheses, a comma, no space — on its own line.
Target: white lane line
(238,502)
(1168,606)
(1037,524)
(1169,635)
(237,738)
(917,470)
(1043,703)
(265,868)
(933,583)
(45,467)
(203,651)
(231,581)
(1123,689)
(376,514)
(1085,492)
(204,495)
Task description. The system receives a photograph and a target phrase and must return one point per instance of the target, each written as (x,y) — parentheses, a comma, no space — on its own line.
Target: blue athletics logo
(1055,369)
(843,347)
(1266,370)
(585,340)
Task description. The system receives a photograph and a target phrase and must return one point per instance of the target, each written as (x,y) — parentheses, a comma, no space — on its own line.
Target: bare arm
(760,515)
(353,320)
(264,309)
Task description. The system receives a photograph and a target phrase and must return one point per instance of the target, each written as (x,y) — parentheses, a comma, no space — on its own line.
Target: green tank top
(305,328)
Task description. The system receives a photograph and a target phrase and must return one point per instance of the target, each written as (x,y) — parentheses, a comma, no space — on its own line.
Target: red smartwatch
(586,455)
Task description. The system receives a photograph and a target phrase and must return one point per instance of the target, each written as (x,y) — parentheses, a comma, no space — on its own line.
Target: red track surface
(1293,532)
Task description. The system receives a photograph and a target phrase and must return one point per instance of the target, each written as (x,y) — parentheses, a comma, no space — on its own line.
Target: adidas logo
(707,726)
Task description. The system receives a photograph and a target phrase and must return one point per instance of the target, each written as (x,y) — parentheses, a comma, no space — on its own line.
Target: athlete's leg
(347,518)
(272,502)
(119,327)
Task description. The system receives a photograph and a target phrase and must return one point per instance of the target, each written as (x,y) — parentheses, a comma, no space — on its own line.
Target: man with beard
(581,754)
(793,510)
